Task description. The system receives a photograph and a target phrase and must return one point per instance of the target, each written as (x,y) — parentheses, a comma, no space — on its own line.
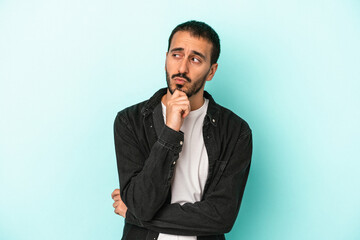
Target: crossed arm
(145,206)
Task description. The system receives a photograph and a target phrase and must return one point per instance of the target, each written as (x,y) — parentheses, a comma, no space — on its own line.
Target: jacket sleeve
(217,212)
(145,181)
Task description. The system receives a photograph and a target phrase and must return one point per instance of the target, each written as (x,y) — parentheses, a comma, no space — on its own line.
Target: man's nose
(183,67)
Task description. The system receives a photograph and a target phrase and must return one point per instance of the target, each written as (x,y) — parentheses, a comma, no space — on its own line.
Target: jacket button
(213,120)
(174,162)
(181,142)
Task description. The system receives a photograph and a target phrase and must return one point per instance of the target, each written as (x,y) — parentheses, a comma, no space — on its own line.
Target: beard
(191,90)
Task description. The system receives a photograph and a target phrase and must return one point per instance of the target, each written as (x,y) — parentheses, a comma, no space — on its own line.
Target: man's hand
(177,108)
(120,207)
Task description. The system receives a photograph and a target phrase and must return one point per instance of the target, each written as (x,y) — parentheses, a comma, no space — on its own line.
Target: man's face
(187,63)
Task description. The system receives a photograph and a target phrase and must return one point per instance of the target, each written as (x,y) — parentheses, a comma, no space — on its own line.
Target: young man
(183,160)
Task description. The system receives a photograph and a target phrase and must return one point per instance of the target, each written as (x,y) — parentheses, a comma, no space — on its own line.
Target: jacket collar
(212,113)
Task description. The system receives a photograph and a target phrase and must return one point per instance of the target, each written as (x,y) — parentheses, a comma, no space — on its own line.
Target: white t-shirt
(191,169)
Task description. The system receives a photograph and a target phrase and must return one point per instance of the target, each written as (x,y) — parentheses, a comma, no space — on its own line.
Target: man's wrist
(172,127)
(171,139)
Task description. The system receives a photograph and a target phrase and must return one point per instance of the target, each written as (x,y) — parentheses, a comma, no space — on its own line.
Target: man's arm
(145,182)
(217,213)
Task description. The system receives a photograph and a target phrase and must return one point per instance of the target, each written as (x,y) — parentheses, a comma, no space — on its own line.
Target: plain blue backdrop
(290,68)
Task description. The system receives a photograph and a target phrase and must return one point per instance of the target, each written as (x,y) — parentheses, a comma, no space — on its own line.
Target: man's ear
(212,71)
(165,60)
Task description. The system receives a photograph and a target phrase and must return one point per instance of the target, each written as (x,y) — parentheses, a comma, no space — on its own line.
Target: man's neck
(196,101)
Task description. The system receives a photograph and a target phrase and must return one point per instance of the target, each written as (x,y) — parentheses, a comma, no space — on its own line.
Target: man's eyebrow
(193,51)
(177,49)
(200,54)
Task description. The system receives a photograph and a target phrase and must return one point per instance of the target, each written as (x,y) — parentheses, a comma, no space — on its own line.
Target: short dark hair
(200,29)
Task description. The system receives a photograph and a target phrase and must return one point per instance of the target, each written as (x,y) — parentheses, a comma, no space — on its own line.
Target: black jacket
(147,151)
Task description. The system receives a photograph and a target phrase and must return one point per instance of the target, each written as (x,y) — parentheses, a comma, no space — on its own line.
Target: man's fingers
(115,192)
(116,211)
(178,98)
(182,107)
(117,198)
(116,203)
(185,113)
(177,93)
(184,103)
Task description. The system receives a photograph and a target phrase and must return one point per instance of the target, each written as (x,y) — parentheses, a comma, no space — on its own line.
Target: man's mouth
(179,80)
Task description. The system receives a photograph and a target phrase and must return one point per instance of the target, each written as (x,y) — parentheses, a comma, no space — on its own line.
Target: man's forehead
(184,39)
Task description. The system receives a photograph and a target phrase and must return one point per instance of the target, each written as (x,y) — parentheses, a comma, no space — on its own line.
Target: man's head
(200,29)
(191,60)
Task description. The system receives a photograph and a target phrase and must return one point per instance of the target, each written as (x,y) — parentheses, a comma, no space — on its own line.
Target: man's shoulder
(131,116)
(233,122)
(134,109)
(143,107)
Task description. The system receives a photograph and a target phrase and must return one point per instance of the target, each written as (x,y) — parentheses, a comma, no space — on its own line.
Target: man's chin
(180,89)
(177,87)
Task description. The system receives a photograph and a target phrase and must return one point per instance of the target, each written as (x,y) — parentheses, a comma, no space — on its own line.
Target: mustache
(182,75)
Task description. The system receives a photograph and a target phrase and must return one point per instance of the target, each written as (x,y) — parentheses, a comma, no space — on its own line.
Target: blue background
(290,68)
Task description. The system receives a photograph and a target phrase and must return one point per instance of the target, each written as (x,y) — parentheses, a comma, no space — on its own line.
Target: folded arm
(217,212)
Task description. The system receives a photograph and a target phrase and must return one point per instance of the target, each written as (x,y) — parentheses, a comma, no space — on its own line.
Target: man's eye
(196,60)
(176,55)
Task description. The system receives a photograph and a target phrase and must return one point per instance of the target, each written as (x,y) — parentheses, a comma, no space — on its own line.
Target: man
(183,160)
